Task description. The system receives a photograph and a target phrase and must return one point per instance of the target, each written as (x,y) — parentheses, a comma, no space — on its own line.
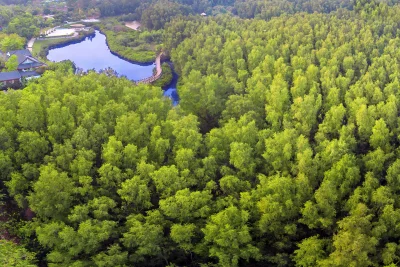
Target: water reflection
(93,53)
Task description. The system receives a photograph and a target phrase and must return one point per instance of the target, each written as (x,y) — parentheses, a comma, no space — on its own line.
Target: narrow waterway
(93,53)
(170,90)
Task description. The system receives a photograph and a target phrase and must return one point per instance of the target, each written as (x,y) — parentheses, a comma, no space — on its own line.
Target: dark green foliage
(25,25)
(156,15)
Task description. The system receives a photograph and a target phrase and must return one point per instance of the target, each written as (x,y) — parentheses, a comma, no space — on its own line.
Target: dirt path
(158,65)
(134,25)
(30,44)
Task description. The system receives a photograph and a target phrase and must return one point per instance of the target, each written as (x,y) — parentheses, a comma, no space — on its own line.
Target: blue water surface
(93,53)
(170,90)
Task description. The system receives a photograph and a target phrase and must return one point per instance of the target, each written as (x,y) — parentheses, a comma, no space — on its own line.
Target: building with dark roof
(27,69)
(10,79)
(25,59)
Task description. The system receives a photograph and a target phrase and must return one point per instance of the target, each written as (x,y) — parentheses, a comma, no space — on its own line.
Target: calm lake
(93,53)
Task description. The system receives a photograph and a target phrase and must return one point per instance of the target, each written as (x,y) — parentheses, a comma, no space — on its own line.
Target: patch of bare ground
(134,25)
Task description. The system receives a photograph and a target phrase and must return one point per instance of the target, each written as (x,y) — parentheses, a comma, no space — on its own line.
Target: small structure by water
(90,20)
(77,25)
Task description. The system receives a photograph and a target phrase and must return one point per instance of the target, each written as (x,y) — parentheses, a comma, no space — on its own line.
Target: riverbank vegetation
(138,46)
(166,77)
(41,46)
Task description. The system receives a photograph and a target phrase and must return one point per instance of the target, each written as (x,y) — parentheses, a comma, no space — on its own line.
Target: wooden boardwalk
(155,76)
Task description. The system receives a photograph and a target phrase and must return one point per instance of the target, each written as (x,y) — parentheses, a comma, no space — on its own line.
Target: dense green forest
(154,13)
(283,150)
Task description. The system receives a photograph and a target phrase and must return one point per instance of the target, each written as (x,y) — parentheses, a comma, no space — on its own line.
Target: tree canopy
(283,150)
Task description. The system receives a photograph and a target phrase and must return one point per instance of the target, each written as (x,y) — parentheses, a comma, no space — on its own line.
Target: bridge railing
(150,79)
(153,77)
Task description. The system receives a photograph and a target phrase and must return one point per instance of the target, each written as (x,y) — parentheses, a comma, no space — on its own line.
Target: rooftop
(77,25)
(7,76)
(21,54)
(25,59)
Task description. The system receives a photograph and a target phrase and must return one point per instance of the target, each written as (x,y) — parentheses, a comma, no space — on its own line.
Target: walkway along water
(158,73)
(86,58)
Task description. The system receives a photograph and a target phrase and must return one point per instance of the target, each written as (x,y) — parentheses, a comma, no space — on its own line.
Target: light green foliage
(283,150)
(276,200)
(11,63)
(14,255)
(11,42)
(241,156)
(380,137)
(30,115)
(279,150)
(112,257)
(60,123)
(51,187)
(168,180)
(228,237)
(136,194)
(310,252)
(186,206)
(353,243)
(144,237)
(183,234)
(232,185)
(112,152)
(335,187)
(25,25)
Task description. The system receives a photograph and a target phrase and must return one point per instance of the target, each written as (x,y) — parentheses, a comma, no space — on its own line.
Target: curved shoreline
(147,80)
(158,73)
(68,41)
(81,39)
(121,56)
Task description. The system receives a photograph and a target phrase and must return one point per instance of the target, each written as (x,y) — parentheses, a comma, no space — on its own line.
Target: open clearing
(61,32)
(37,46)
(134,25)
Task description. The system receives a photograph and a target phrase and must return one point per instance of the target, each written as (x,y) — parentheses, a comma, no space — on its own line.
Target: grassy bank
(40,44)
(41,47)
(139,46)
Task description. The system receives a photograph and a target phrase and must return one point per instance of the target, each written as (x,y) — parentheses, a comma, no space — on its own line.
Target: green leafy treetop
(14,255)
(12,63)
